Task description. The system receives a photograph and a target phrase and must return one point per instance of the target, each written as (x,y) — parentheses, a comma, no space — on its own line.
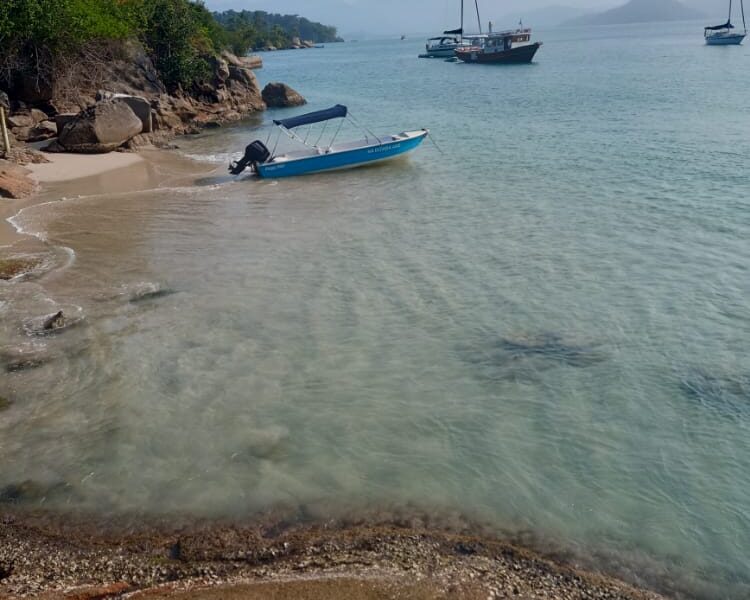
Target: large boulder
(15,181)
(62,119)
(101,128)
(138,104)
(281,95)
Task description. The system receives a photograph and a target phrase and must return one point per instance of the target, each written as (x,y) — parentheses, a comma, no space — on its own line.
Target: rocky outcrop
(15,181)
(98,113)
(104,127)
(281,95)
(246,62)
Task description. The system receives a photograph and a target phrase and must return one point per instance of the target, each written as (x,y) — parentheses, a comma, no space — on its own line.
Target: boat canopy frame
(338,111)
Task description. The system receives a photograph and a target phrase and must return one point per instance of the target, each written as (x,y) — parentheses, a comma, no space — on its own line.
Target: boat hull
(517,55)
(734,39)
(442,53)
(347,159)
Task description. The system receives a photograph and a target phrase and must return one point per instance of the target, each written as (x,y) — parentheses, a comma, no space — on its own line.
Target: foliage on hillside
(247,29)
(45,37)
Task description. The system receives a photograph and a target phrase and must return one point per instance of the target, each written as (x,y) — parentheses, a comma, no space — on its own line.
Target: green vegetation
(248,29)
(41,37)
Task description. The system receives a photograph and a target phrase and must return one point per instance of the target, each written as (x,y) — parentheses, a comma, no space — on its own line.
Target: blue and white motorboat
(317,158)
(726,34)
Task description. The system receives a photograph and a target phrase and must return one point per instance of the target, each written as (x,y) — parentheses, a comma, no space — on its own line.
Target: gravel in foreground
(44,558)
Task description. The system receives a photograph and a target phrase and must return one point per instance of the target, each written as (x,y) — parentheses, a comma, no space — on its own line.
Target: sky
(401,16)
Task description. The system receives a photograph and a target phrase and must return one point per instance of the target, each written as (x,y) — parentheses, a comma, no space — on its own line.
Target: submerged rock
(281,95)
(515,359)
(22,358)
(725,395)
(28,491)
(148,291)
(4,403)
(13,267)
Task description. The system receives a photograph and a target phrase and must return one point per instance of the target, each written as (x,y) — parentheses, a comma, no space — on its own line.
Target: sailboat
(725,35)
(445,46)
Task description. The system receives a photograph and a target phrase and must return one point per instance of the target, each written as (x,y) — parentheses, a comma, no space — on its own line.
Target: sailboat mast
(744,25)
(462,21)
(479,21)
(729,20)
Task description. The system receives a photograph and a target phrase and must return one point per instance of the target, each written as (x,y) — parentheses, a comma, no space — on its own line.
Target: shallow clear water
(545,326)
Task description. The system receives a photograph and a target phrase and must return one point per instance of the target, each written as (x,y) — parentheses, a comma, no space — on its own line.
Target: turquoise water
(544,327)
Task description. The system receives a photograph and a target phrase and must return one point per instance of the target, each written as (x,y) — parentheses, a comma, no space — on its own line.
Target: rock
(44,131)
(55,321)
(15,181)
(61,120)
(54,147)
(38,115)
(21,133)
(23,358)
(20,120)
(11,268)
(252,62)
(139,105)
(4,101)
(281,95)
(231,58)
(24,155)
(4,403)
(101,128)
(221,69)
(142,109)
(243,75)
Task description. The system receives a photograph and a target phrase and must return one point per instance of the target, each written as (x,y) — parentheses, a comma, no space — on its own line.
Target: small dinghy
(316,158)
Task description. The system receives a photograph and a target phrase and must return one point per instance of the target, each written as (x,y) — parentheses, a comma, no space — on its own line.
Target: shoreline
(50,555)
(58,557)
(74,175)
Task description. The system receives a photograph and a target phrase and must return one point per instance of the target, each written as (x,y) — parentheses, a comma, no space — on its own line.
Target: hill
(640,11)
(549,16)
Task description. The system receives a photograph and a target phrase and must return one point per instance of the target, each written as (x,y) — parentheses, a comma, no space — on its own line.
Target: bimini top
(727,25)
(335,112)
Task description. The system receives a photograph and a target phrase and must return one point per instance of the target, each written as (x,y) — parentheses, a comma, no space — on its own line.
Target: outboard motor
(255,153)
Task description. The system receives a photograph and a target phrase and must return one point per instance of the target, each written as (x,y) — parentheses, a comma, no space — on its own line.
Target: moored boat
(444,46)
(318,158)
(726,34)
(503,47)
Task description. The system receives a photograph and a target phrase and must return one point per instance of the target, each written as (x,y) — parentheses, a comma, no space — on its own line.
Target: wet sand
(49,555)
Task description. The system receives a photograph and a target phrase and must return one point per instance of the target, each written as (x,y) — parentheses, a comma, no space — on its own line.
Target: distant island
(640,11)
(259,30)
